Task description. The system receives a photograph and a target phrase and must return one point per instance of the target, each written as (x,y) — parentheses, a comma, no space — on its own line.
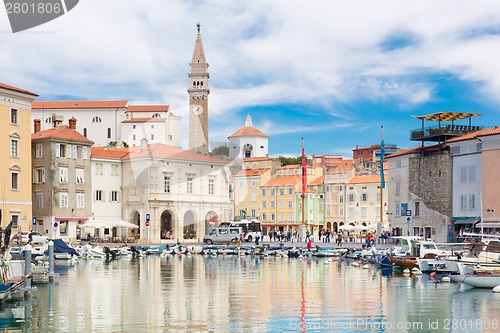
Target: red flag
(304,170)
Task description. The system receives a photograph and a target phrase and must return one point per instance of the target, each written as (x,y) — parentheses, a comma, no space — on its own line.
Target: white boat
(483,280)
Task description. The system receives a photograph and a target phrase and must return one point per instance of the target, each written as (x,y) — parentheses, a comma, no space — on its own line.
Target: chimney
(37,125)
(72,123)
(57,120)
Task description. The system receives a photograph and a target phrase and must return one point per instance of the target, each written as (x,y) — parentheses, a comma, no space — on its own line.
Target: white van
(223,235)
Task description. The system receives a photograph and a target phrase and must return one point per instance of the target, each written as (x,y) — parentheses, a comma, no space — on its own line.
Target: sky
(331,72)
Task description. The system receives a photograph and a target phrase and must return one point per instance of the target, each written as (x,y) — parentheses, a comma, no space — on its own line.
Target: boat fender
(366,266)
(446,279)
(496,289)
(406,271)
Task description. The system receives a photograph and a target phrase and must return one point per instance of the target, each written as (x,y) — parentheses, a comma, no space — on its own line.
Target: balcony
(442,133)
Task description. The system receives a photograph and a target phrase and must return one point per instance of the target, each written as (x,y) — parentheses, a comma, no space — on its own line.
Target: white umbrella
(95,225)
(123,224)
(347,227)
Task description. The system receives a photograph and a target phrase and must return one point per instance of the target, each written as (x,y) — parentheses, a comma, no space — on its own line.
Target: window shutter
(58,150)
(84,153)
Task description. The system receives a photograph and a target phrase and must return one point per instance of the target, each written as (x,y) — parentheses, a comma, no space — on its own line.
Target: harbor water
(196,293)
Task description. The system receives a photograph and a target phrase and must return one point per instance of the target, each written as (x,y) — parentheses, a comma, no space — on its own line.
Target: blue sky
(331,72)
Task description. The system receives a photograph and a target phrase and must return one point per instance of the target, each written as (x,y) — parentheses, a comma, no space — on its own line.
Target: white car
(35,237)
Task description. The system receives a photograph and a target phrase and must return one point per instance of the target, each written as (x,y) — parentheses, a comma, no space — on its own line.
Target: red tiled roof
(248,131)
(148,108)
(251,172)
(255,159)
(318,181)
(62,132)
(109,152)
(283,181)
(401,152)
(483,132)
(363,179)
(80,105)
(145,120)
(291,166)
(6,86)
(160,150)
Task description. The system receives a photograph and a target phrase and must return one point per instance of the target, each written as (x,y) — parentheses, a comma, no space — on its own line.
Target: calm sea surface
(246,294)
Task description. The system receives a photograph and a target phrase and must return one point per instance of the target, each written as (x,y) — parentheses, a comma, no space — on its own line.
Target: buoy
(366,266)
(496,289)
(432,275)
(446,279)
(406,271)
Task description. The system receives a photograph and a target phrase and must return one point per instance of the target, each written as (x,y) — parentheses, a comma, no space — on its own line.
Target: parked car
(35,237)
(223,235)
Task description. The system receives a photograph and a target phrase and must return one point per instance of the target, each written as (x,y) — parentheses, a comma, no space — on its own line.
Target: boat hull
(477,281)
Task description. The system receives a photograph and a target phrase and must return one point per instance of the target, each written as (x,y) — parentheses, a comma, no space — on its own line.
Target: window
(363,211)
(14,148)
(282,203)
(39,175)
(264,217)
(273,191)
(463,202)
(263,191)
(79,151)
(398,209)
(398,187)
(273,204)
(211,185)
(241,183)
(463,174)
(341,199)
(39,200)
(13,116)
(15,221)
(189,185)
(14,180)
(241,197)
(472,201)
(133,126)
(114,169)
(152,126)
(328,211)
(38,151)
(63,175)
(79,176)
(75,153)
(282,191)
(80,200)
(84,153)
(253,183)
(264,204)
(63,200)
(60,150)
(253,197)
(341,211)
(98,169)
(166,184)
(156,115)
(417,208)
(98,195)
(364,197)
(472,173)
(351,197)
(133,137)
(109,133)
(152,137)
(96,119)
(290,190)
(282,216)
(273,217)
(351,212)
(114,196)
(85,132)
(253,213)
(290,203)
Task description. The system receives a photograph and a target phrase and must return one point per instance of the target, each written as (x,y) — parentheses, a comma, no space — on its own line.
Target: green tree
(290,160)
(221,151)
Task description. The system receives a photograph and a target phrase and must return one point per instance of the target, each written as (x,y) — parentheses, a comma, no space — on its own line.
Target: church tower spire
(198,91)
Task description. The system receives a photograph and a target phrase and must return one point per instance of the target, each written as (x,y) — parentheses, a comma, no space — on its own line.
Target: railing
(447,130)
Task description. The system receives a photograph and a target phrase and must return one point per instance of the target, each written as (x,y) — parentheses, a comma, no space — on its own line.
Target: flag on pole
(304,170)
(382,154)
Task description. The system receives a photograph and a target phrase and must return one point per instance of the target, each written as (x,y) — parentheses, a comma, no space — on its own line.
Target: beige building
(61,179)
(15,152)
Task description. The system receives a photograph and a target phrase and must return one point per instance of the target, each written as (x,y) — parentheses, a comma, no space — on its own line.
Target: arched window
(48,120)
(156,115)
(109,133)
(85,132)
(96,119)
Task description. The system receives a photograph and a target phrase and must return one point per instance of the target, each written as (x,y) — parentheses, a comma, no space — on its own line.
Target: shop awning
(71,218)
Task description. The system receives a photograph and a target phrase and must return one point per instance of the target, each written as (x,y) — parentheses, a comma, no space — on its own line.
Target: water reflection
(247,294)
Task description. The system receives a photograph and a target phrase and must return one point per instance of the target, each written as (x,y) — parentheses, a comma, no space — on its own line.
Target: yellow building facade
(15,154)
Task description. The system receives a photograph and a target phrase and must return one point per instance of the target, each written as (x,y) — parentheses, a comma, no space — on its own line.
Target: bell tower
(198,91)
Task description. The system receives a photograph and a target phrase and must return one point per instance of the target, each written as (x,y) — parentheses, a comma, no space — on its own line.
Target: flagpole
(303,172)
(382,181)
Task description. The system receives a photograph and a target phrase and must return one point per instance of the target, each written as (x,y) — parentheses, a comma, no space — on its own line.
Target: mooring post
(51,261)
